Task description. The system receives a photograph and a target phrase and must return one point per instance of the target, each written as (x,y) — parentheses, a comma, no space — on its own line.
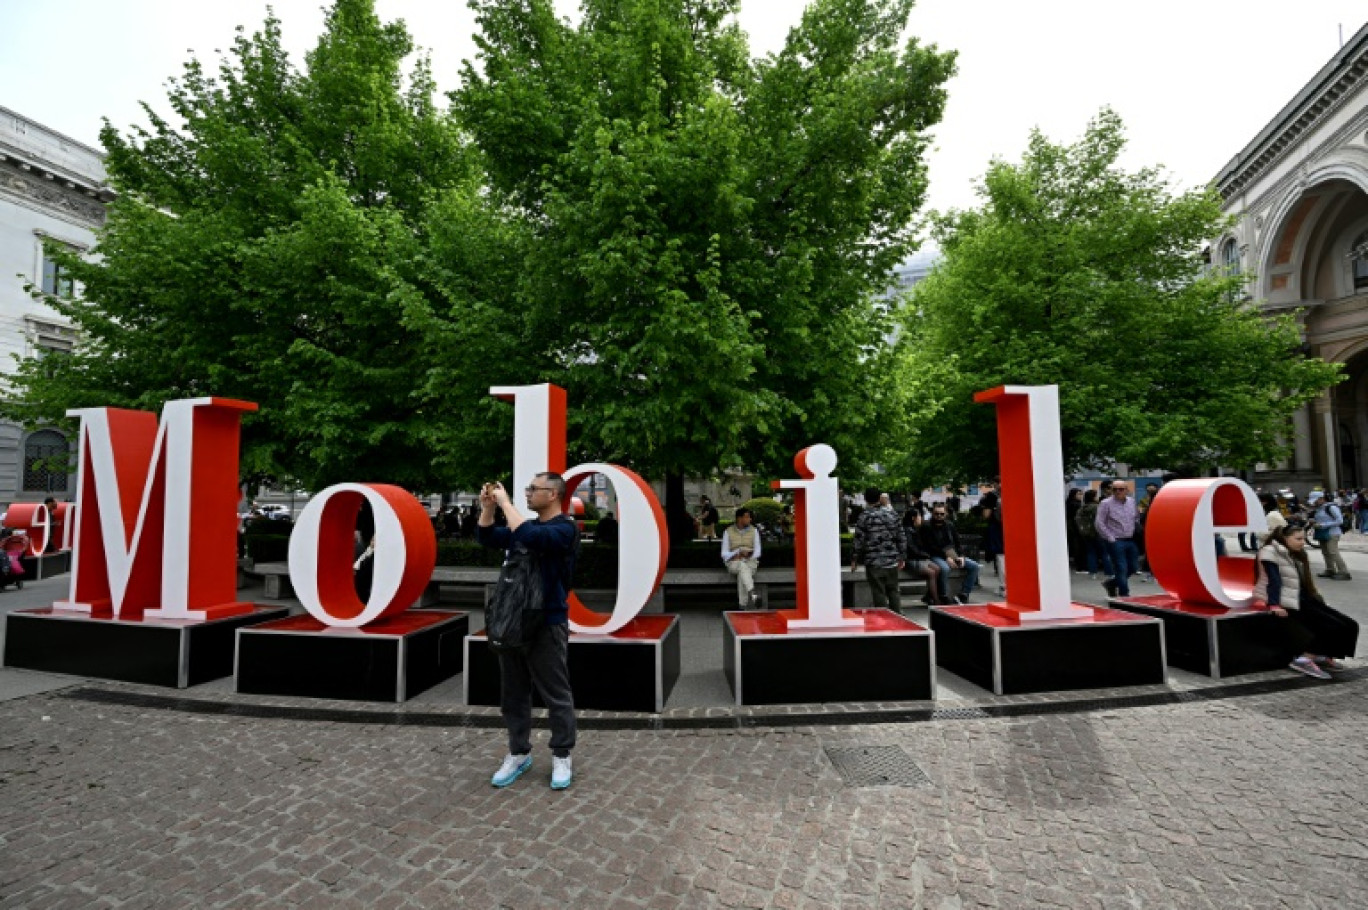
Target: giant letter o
(321,554)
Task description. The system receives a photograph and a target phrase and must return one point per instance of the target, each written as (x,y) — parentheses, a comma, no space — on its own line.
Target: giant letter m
(156,516)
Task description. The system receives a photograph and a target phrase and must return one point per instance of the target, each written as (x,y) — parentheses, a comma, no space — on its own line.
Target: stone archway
(1304,261)
(1307,262)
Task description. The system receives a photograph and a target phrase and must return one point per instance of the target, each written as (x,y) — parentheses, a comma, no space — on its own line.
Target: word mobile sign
(35,520)
(153,529)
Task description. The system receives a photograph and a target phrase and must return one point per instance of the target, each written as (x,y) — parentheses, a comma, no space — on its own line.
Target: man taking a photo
(551,537)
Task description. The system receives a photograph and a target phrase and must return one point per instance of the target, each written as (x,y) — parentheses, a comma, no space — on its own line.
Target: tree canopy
(708,232)
(1078,273)
(276,244)
(691,241)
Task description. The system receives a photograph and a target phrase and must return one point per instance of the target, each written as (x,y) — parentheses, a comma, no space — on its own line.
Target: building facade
(1300,192)
(52,189)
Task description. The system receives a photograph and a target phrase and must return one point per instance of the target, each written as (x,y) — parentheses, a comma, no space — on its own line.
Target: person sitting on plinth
(1316,632)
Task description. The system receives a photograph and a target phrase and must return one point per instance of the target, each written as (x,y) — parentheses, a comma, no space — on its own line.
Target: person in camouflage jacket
(881,545)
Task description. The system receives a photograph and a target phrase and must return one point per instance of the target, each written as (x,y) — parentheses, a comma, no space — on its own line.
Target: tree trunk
(677,518)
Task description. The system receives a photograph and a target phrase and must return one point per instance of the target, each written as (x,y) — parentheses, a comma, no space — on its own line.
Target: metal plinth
(169,653)
(891,659)
(389,661)
(1111,649)
(633,669)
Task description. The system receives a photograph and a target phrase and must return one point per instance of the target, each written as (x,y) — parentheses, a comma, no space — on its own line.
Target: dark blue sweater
(554,544)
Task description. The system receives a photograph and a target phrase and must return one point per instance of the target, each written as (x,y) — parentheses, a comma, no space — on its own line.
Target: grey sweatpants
(545,666)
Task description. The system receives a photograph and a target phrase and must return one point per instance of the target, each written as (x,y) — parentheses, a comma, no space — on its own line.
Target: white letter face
(1031,463)
(321,554)
(155,526)
(1180,535)
(817,536)
(642,551)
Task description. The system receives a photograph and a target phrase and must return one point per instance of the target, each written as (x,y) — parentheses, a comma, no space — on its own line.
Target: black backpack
(514,614)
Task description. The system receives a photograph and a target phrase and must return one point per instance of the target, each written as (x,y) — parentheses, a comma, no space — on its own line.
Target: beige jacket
(1277,554)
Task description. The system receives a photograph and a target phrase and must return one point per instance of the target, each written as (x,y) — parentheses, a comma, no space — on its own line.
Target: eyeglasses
(534,489)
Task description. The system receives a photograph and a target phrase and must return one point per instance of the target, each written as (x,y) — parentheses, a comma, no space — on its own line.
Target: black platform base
(1214,641)
(154,652)
(1009,658)
(390,661)
(46,565)
(634,669)
(891,659)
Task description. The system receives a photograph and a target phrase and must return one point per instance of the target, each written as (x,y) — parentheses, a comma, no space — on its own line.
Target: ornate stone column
(1325,427)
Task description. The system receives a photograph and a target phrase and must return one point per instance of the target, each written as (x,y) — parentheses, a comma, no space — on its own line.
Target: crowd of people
(1106,538)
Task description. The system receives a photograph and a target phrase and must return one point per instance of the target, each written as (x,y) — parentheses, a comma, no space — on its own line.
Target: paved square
(1254,802)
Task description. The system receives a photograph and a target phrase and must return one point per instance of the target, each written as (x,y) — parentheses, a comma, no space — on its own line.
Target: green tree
(276,243)
(1077,273)
(708,233)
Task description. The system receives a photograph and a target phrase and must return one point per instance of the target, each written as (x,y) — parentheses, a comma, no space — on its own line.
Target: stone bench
(276,581)
(480,581)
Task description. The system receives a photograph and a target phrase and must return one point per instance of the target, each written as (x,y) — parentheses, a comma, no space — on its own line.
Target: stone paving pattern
(1256,802)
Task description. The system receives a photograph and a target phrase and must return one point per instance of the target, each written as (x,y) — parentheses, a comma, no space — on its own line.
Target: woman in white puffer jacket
(1315,631)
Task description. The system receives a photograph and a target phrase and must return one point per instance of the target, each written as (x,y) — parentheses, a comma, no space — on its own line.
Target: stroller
(12,547)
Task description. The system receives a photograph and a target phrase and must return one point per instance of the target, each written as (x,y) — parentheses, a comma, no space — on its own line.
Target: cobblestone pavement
(1251,802)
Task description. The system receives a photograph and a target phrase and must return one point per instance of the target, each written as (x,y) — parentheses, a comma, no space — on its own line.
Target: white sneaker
(561,774)
(512,768)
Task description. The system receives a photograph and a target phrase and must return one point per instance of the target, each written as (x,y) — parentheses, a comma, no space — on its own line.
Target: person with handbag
(543,661)
(1329,521)
(1315,632)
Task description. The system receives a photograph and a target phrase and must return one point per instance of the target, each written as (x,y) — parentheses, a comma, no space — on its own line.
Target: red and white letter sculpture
(322,549)
(817,544)
(155,529)
(34,520)
(539,445)
(1181,545)
(64,516)
(1031,461)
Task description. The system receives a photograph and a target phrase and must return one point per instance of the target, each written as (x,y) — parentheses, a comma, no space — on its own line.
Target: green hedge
(764,509)
(598,562)
(271,527)
(268,547)
(465,553)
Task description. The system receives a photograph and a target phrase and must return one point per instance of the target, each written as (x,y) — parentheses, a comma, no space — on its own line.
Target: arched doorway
(1310,257)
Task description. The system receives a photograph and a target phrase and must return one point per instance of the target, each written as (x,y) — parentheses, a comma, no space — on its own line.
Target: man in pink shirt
(1117,520)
